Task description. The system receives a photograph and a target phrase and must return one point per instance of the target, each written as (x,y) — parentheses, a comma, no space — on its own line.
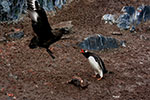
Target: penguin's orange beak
(82,51)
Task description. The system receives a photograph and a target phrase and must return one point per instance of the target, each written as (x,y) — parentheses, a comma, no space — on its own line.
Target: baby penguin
(96,63)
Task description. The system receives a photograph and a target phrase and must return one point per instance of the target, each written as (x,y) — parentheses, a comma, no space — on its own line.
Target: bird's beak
(82,51)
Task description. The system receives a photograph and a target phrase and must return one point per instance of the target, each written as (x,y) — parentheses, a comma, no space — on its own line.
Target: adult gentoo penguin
(43,31)
(96,63)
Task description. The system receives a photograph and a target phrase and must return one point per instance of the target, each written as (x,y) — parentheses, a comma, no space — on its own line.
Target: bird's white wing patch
(33,15)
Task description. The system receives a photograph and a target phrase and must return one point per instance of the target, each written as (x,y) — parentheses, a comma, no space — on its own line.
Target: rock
(13,76)
(116,33)
(132,29)
(123,43)
(128,9)
(99,42)
(116,97)
(60,3)
(68,60)
(144,37)
(14,35)
(143,13)
(67,25)
(2,39)
(130,18)
(11,10)
(109,18)
(17,35)
(78,82)
(123,22)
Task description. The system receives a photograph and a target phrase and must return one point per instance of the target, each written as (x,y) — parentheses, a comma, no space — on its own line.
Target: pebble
(116,97)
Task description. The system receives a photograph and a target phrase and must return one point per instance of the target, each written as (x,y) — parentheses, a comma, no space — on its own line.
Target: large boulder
(11,9)
(99,42)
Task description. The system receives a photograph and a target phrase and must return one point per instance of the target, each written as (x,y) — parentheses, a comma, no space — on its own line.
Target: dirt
(31,74)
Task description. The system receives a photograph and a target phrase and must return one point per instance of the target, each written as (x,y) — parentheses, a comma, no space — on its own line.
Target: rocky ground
(31,74)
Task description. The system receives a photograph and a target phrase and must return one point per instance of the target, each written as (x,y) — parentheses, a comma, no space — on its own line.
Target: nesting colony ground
(32,74)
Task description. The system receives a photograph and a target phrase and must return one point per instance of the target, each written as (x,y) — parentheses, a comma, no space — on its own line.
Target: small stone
(141,63)
(78,82)
(109,18)
(68,60)
(116,33)
(142,37)
(123,43)
(14,98)
(132,29)
(116,97)
(36,86)
(17,35)
(65,24)
(13,76)
(51,92)
(3,39)
(8,65)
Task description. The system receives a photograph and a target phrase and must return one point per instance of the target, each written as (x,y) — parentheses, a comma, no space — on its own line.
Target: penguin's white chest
(93,63)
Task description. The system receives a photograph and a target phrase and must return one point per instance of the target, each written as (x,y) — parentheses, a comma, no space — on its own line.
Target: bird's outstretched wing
(39,21)
(44,36)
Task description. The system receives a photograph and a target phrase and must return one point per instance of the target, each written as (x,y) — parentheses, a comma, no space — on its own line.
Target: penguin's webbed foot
(99,78)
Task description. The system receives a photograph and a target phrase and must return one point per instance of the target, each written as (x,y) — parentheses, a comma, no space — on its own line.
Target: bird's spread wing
(32,10)
(39,20)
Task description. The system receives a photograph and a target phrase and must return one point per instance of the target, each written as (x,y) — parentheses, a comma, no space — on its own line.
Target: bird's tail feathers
(109,72)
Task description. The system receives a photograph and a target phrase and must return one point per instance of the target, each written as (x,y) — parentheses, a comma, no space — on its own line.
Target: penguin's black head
(83,51)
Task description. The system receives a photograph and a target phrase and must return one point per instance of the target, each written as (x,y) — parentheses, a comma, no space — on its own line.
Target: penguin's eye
(85,51)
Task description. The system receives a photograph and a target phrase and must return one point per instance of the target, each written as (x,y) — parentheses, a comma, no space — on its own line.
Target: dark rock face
(123,22)
(12,9)
(16,35)
(99,42)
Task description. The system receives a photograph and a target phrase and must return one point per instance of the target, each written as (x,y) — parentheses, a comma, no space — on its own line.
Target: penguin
(44,34)
(96,63)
